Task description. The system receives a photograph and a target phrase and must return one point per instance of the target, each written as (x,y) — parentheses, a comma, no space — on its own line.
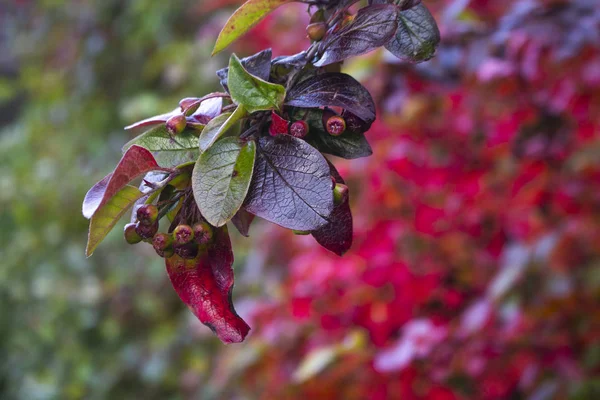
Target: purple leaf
(242,220)
(372,27)
(135,162)
(417,37)
(336,236)
(333,90)
(291,185)
(205,285)
(155,120)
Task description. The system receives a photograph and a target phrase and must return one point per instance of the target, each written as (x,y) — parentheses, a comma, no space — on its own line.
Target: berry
(167,253)
(189,250)
(146,231)
(162,241)
(335,125)
(340,193)
(131,236)
(147,214)
(176,124)
(183,234)
(316,31)
(203,233)
(299,129)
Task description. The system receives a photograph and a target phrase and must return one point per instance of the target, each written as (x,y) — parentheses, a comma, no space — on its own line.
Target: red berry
(183,234)
(203,233)
(176,124)
(335,125)
(147,214)
(299,129)
(167,253)
(131,236)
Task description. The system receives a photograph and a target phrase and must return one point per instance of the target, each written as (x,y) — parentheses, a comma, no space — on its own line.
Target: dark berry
(162,241)
(183,234)
(340,193)
(147,214)
(189,250)
(131,236)
(299,129)
(353,123)
(146,231)
(203,233)
(167,253)
(316,31)
(335,125)
(176,124)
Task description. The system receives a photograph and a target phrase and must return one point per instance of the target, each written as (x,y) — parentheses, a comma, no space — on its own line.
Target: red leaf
(336,236)
(279,125)
(205,285)
(136,161)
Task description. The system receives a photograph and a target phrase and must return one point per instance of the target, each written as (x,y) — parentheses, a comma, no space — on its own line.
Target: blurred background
(475,268)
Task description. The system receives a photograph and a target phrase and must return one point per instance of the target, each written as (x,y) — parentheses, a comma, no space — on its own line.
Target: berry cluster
(186,241)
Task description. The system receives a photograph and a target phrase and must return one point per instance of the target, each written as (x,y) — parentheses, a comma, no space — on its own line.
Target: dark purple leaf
(242,220)
(417,36)
(291,185)
(402,4)
(333,90)
(258,64)
(205,285)
(135,162)
(372,27)
(336,236)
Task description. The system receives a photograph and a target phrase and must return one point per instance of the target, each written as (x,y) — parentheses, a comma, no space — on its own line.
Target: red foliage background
(474,272)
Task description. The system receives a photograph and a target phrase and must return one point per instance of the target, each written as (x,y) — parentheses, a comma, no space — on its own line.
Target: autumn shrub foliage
(473,266)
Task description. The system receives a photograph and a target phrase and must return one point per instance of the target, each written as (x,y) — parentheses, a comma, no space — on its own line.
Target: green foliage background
(72,74)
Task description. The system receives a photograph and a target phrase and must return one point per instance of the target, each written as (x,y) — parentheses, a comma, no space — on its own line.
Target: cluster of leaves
(256,149)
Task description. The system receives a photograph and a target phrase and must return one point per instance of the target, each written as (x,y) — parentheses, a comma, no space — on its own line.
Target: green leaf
(221,179)
(167,151)
(217,126)
(244,18)
(105,218)
(158,139)
(252,92)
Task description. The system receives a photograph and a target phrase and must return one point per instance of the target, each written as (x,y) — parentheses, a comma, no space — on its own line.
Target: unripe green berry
(131,236)
(162,241)
(203,233)
(299,129)
(316,31)
(176,124)
(340,193)
(335,125)
(146,231)
(183,234)
(189,250)
(147,214)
